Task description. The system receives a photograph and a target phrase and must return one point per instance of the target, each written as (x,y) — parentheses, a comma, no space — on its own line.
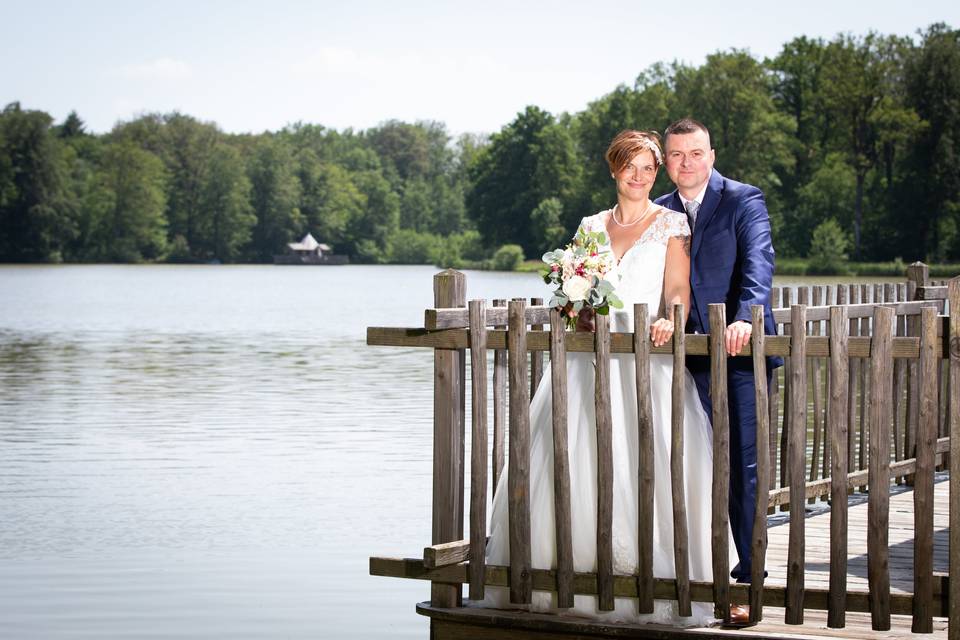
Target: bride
(651,246)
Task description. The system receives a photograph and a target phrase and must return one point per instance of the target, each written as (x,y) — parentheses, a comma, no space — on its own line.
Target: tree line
(855,142)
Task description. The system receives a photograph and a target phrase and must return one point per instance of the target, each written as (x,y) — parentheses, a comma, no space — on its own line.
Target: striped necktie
(692,208)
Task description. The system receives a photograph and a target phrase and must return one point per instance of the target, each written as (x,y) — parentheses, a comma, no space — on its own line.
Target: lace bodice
(638,277)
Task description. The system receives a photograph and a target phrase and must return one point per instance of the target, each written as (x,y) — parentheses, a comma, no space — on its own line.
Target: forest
(855,142)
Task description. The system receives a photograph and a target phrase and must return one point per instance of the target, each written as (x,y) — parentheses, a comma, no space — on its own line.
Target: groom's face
(689,161)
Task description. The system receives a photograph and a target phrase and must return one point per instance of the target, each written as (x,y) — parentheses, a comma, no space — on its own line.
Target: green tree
(828,248)
(275,196)
(368,235)
(932,164)
(330,201)
(796,91)
(35,217)
(504,191)
(127,206)
(862,103)
(547,224)
(223,228)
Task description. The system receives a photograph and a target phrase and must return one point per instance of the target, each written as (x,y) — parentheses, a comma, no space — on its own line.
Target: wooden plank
(449,290)
(816,381)
(931,293)
(774,418)
(446,554)
(878,534)
(621,342)
(680,536)
(605,600)
(720,521)
(825,471)
(536,357)
(758,553)
(518,471)
(916,277)
(837,429)
(853,385)
(898,379)
(561,461)
(626,586)
(856,310)
(796,454)
(478,447)
(646,478)
(457,318)
(865,390)
(787,391)
(854,478)
(923,480)
(954,378)
(499,406)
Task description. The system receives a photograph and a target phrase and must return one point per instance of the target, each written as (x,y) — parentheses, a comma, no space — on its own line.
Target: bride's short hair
(629,143)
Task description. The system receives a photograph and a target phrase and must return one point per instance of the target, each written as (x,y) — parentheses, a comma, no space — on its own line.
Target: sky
(251,66)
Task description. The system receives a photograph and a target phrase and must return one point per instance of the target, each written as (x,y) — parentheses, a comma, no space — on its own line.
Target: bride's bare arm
(676,287)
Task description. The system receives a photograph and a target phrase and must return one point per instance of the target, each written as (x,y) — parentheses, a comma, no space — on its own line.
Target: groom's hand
(737,336)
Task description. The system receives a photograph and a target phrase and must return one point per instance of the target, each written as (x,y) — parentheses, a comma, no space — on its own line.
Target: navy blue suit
(731,262)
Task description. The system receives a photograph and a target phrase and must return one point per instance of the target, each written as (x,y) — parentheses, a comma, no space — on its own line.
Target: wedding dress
(637,278)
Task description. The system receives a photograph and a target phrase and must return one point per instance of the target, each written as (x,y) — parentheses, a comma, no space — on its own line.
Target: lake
(213,451)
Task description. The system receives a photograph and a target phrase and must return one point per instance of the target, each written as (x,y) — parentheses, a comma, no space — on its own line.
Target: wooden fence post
(797,454)
(561,460)
(478,448)
(923,479)
(720,522)
(605,601)
(681,548)
(758,552)
(646,479)
(954,412)
(499,405)
(878,502)
(518,470)
(449,290)
(837,425)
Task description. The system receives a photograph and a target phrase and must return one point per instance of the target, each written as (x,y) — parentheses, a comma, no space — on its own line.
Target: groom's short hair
(685,125)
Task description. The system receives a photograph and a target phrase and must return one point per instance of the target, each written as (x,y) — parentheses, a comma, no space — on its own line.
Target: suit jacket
(731,258)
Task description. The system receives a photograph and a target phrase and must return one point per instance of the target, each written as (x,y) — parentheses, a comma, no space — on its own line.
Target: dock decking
(479,624)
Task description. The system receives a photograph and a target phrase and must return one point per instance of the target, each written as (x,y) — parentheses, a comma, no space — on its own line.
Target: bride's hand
(661,331)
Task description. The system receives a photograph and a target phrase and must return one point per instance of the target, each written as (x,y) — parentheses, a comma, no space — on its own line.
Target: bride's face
(636,179)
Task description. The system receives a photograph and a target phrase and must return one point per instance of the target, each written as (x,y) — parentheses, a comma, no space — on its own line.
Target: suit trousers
(743,454)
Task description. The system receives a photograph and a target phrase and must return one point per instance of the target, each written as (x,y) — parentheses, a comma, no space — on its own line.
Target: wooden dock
(472,622)
(872,374)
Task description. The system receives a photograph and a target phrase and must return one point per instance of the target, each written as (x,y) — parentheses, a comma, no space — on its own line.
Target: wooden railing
(861,346)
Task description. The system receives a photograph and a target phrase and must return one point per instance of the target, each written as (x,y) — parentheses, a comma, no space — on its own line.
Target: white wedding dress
(637,278)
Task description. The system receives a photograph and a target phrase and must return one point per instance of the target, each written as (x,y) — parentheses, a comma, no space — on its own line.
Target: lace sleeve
(676,224)
(593,223)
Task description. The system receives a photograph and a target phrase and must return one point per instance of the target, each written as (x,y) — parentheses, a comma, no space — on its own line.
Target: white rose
(576,288)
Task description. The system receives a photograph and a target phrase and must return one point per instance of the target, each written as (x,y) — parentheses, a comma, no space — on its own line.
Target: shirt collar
(698,199)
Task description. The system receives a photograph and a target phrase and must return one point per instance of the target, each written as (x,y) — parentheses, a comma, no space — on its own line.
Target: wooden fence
(873,376)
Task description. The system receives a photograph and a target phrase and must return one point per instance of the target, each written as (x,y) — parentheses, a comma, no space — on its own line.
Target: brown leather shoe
(739,616)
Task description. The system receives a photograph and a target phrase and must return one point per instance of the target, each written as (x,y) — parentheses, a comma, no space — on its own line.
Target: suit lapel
(711,201)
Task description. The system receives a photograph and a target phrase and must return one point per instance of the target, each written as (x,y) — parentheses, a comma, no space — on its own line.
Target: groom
(731,262)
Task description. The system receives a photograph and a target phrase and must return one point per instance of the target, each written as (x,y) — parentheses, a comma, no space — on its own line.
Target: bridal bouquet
(578,272)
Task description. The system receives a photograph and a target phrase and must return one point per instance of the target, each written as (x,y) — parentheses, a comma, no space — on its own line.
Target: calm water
(213,451)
